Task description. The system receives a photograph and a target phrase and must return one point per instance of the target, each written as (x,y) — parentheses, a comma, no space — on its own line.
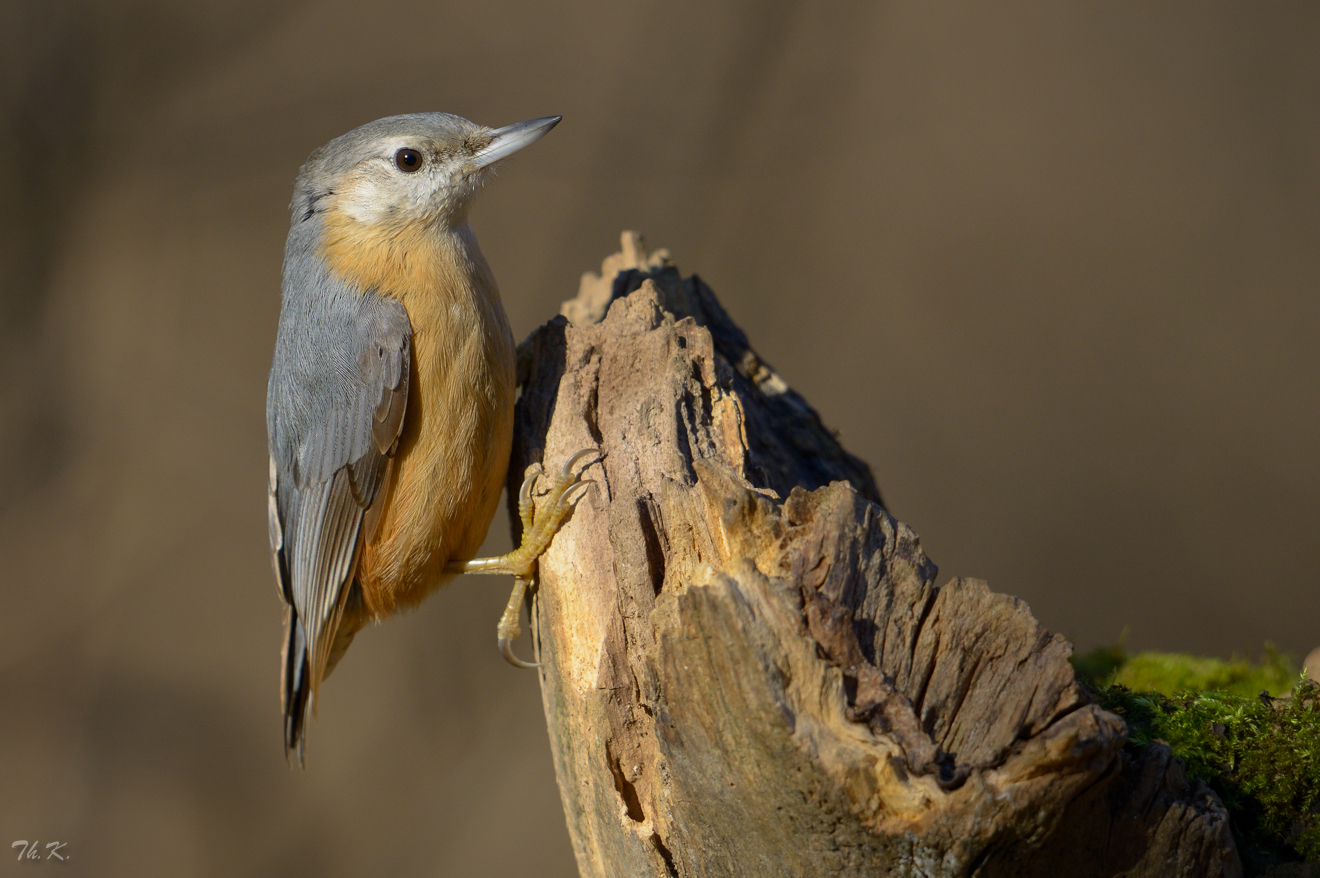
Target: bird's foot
(539,528)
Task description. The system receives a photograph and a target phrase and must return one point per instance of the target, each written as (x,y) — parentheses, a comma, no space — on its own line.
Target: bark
(748,669)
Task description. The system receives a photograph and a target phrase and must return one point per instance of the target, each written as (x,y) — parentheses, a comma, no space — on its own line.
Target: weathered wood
(748,669)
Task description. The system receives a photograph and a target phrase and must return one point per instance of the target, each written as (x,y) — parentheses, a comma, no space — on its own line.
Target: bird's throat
(401,260)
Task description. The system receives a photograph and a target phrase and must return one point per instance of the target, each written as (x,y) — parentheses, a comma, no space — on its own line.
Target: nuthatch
(390,404)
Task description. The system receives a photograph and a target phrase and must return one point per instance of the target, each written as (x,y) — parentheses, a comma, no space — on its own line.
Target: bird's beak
(511,138)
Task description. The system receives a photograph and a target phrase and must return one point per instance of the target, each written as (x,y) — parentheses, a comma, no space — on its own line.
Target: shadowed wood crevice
(748,668)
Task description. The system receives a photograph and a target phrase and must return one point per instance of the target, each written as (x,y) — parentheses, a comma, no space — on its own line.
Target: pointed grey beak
(511,138)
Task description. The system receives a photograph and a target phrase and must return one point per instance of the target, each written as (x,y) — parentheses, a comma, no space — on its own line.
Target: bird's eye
(408,160)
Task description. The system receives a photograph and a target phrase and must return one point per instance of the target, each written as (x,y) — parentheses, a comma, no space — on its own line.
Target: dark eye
(408,160)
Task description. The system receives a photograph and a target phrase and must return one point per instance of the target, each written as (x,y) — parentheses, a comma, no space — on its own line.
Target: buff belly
(451,461)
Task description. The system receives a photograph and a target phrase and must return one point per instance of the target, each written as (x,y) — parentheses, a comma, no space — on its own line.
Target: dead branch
(748,669)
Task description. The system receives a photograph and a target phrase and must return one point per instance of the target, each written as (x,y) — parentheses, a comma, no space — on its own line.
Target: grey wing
(338,392)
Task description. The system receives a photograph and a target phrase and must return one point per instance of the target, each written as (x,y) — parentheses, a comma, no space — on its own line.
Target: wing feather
(324,566)
(337,401)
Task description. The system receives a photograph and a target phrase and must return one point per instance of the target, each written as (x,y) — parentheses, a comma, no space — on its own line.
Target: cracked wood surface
(748,668)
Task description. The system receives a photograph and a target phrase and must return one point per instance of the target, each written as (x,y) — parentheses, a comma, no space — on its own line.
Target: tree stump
(747,667)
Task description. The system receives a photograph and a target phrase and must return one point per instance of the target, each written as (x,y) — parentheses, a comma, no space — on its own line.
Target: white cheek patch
(376,192)
(366,200)
(381,195)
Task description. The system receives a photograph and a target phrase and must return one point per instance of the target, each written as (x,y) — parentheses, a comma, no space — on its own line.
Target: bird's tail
(295,684)
(296,678)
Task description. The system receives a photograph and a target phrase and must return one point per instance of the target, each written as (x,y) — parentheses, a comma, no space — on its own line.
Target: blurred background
(1051,269)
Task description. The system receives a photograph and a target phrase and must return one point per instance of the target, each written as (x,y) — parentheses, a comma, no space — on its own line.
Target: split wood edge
(747,668)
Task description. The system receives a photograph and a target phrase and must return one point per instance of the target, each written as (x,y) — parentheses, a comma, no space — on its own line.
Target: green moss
(1261,754)
(1171,672)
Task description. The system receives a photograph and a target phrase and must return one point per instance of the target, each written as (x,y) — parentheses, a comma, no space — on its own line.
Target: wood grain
(748,668)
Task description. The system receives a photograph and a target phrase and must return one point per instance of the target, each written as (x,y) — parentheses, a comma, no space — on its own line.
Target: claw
(573,496)
(567,471)
(506,650)
(525,492)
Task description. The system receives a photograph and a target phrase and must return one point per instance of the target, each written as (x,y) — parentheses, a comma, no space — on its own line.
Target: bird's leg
(510,628)
(538,530)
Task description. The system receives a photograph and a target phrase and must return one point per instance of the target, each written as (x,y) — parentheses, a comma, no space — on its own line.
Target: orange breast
(453,451)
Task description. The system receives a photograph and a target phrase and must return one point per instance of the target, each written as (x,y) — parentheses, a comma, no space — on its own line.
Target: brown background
(1051,268)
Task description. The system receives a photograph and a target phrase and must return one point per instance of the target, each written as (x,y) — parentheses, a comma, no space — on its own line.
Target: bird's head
(403,171)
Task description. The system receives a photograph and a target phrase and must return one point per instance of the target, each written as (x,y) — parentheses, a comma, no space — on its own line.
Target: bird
(390,403)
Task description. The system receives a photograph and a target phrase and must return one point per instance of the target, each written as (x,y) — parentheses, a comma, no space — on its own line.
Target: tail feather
(295,684)
(296,690)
